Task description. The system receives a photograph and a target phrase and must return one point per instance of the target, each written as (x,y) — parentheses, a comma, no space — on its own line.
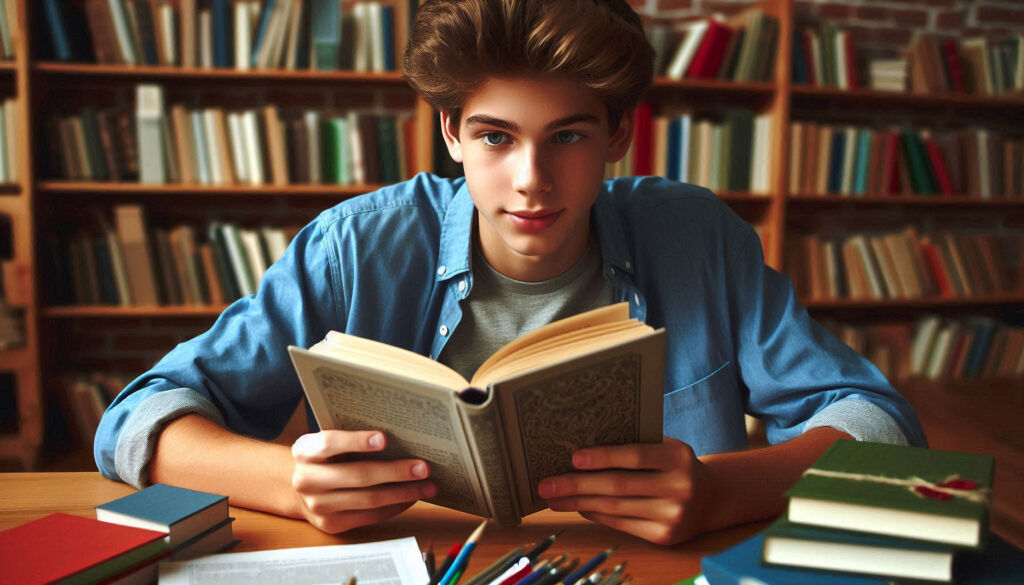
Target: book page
(609,397)
(388,562)
(420,419)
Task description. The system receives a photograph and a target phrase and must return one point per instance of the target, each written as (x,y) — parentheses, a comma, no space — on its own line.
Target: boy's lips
(535,220)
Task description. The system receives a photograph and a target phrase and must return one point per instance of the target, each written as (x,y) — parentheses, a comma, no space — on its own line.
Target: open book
(592,379)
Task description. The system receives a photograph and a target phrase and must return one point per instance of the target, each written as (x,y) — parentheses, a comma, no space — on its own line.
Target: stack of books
(889,74)
(868,513)
(192,523)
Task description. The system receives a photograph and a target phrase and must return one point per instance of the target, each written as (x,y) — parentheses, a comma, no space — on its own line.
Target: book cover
(179,512)
(910,492)
(795,545)
(591,379)
(741,565)
(73,549)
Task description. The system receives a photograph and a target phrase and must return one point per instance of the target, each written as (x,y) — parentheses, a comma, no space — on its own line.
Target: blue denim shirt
(390,266)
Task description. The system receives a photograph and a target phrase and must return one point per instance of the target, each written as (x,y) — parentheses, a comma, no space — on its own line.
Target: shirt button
(462,286)
(636,298)
(441,270)
(629,266)
(611,271)
(443,331)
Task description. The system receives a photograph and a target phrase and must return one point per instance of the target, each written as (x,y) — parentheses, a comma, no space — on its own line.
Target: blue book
(686,124)
(984,330)
(55,22)
(181,513)
(742,563)
(673,148)
(835,162)
(261,32)
(222,34)
(860,179)
(799,59)
(387,23)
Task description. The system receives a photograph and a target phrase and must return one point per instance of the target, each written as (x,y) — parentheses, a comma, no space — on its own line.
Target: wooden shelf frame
(922,304)
(70,188)
(153,72)
(938,201)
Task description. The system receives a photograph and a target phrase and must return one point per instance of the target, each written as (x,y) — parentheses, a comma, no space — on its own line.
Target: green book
(738,149)
(811,547)
(908,492)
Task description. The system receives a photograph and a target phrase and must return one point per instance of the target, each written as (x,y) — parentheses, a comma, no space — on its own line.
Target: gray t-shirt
(499,308)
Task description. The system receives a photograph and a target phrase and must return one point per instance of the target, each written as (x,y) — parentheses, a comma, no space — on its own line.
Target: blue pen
(463,559)
(588,567)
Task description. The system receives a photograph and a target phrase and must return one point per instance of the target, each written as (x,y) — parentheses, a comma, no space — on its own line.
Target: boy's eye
(494,138)
(567,136)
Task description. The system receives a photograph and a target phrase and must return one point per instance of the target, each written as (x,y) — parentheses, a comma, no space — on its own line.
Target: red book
(956,76)
(643,140)
(59,546)
(935,264)
(890,172)
(939,165)
(851,62)
(708,59)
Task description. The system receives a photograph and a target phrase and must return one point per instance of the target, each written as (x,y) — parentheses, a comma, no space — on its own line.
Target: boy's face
(534,152)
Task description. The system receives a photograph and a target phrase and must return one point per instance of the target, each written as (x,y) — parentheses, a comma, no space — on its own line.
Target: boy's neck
(531,268)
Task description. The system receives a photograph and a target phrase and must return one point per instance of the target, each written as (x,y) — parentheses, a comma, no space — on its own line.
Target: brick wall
(880,28)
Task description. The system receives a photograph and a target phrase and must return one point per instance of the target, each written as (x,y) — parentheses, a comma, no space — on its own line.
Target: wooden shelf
(10,189)
(13,359)
(958,201)
(744,197)
(80,187)
(212,74)
(916,304)
(72,312)
(8,67)
(875,98)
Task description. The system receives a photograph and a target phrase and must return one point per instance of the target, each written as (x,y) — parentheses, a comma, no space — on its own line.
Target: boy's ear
(451,137)
(618,144)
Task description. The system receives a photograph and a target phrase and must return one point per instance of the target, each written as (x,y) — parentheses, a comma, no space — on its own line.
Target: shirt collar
(614,248)
(456,234)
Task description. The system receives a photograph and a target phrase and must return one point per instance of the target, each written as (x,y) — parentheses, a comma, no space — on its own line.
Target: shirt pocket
(708,414)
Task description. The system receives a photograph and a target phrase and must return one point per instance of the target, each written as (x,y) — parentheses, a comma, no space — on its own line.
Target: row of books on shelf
(974,65)
(86,396)
(215,146)
(856,160)
(907,265)
(125,542)
(936,348)
(239,34)
(740,48)
(869,513)
(127,263)
(9,141)
(728,152)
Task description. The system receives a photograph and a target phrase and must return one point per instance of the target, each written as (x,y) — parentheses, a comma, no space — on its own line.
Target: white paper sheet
(388,562)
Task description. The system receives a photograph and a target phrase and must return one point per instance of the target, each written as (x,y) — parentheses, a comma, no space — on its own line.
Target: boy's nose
(532,176)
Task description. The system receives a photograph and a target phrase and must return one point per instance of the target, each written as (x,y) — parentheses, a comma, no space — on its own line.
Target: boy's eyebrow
(512,126)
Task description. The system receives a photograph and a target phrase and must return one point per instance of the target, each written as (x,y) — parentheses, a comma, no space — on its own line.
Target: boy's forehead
(533,101)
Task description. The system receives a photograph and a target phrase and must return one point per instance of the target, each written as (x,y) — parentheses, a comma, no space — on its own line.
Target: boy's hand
(339,496)
(655,491)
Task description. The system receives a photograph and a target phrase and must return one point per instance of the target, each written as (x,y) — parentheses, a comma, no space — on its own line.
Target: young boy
(536,96)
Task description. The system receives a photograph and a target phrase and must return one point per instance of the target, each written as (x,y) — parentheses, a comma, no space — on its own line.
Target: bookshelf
(43,203)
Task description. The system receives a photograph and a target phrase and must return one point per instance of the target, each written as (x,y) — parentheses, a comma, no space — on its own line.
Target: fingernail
(305,445)
(376,440)
(419,470)
(581,459)
(546,489)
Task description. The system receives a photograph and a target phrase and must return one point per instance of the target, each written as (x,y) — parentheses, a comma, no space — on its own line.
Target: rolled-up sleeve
(238,373)
(799,376)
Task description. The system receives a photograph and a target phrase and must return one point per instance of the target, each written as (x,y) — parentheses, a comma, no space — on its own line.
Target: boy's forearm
(751,485)
(195,453)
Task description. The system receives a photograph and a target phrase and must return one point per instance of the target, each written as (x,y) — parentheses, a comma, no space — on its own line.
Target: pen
(542,569)
(515,573)
(428,559)
(498,568)
(588,567)
(543,546)
(556,574)
(463,557)
(448,560)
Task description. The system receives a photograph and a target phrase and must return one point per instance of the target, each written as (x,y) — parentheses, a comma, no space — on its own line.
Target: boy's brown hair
(457,44)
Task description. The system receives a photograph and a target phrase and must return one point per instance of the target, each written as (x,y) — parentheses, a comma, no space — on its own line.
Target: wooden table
(27,496)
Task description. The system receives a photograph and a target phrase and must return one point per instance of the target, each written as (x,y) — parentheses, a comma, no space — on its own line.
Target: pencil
(588,567)
(428,560)
(463,557)
(448,560)
(499,567)
(543,546)
(615,574)
(542,569)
